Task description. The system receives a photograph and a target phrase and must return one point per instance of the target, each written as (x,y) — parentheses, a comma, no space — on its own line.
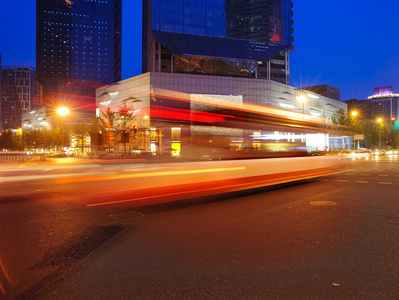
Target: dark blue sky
(352,45)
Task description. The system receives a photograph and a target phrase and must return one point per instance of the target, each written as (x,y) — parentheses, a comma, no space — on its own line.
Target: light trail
(3,271)
(144,175)
(272,180)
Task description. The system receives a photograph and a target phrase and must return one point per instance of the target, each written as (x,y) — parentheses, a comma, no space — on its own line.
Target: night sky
(351,45)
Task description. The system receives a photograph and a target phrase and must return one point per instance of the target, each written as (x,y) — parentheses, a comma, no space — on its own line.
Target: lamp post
(353,123)
(379,120)
(62,112)
(302,99)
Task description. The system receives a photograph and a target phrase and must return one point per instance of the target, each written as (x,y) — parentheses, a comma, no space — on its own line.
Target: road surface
(333,237)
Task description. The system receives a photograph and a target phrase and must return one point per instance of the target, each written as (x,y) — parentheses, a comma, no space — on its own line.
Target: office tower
(267,20)
(18,91)
(77,42)
(229,38)
(384,103)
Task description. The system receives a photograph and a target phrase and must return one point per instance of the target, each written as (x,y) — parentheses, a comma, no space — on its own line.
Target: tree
(340,117)
(11,141)
(81,131)
(118,123)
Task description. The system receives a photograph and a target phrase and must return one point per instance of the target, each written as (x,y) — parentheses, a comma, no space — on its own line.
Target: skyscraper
(230,38)
(77,41)
(18,91)
(384,103)
(266,20)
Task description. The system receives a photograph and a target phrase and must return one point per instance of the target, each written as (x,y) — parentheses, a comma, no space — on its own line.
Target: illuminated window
(175,133)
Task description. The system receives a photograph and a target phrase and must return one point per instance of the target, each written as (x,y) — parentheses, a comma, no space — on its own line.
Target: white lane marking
(383,175)
(362,181)
(340,180)
(385,182)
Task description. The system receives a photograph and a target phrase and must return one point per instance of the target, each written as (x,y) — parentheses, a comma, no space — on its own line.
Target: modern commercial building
(36,119)
(18,93)
(77,43)
(228,38)
(165,103)
(384,103)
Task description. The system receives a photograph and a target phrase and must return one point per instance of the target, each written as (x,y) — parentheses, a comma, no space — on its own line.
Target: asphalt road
(335,237)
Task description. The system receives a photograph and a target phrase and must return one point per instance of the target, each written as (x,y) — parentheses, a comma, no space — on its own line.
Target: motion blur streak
(4,273)
(188,115)
(143,175)
(221,186)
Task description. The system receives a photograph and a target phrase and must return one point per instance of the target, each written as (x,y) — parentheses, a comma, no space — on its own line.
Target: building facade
(77,43)
(18,94)
(228,38)
(384,103)
(267,20)
(36,119)
(173,110)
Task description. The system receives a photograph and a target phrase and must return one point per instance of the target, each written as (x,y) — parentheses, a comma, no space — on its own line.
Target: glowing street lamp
(354,113)
(379,121)
(302,99)
(62,112)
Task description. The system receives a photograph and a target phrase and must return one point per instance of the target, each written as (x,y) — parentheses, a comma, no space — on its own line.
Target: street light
(379,120)
(352,120)
(302,99)
(62,112)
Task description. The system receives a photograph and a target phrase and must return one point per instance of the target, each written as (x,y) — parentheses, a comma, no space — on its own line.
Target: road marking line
(366,174)
(360,181)
(321,179)
(340,180)
(385,182)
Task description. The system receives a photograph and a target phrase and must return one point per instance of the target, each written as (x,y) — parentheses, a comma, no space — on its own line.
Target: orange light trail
(144,175)
(275,179)
(3,270)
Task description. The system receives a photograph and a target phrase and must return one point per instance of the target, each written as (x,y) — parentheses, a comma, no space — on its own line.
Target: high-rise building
(77,42)
(267,20)
(230,38)
(384,103)
(18,91)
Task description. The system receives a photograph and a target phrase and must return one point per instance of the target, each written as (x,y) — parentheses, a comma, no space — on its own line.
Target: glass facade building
(266,22)
(192,17)
(78,41)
